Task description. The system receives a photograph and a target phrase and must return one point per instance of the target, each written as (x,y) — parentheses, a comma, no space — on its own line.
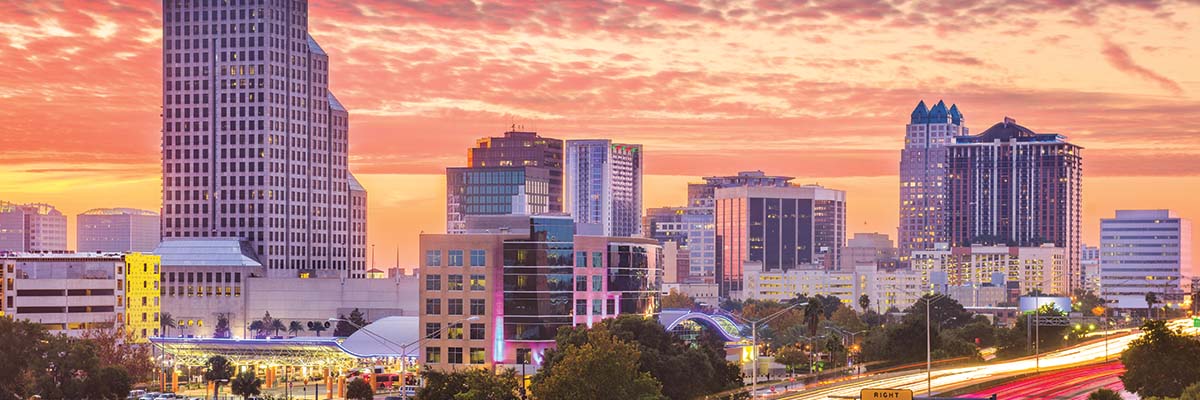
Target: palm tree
(276,326)
(864,302)
(1151,299)
(295,327)
(317,327)
(166,321)
(217,371)
(812,315)
(246,384)
(258,328)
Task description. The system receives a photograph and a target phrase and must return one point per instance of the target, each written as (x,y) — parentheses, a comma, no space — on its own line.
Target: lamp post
(404,347)
(754,342)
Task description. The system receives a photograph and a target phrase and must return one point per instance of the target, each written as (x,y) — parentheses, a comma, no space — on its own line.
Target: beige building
(1043,268)
(898,289)
(707,293)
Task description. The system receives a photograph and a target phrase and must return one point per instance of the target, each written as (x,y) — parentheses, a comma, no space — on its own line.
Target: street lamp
(754,342)
(932,297)
(404,347)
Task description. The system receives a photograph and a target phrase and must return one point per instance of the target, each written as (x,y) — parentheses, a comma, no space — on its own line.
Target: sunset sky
(817,89)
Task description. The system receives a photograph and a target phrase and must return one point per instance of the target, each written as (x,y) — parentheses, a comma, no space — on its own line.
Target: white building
(898,289)
(254,144)
(32,227)
(1145,251)
(117,229)
(1089,261)
(923,186)
(603,187)
(1042,268)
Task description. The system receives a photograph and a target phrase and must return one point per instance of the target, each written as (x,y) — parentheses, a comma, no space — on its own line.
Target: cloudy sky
(817,89)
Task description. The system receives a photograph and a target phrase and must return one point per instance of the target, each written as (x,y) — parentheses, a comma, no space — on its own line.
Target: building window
(478,258)
(454,258)
(477,282)
(454,282)
(454,331)
(581,259)
(477,332)
(476,355)
(433,355)
(580,283)
(433,282)
(597,259)
(477,307)
(597,307)
(455,307)
(581,307)
(433,330)
(454,355)
(433,258)
(597,283)
(433,306)
(612,307)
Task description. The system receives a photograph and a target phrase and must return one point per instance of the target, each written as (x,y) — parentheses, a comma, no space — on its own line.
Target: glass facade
(538,276)
(494,191)
(633,278)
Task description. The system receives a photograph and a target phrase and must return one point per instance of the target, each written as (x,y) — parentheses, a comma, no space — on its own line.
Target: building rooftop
(62,255)
(119,211)
(38,208)
(1009,130)
(334,103)
(216,252)
(939,114)
(354,185)
(315,47)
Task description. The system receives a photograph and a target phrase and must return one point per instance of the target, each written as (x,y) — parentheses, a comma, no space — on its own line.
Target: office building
(497,294)
(1041,268)
(116,230)
(1146,251)
(603,187)
(670,227)
(206,278)
(523,149)
(1012,186)
(700,220)
(495,191)
(923,170)
(885,289)
(32,227)
(777,229)
(70,293)
(869,249)
(254,143)
(1089,261)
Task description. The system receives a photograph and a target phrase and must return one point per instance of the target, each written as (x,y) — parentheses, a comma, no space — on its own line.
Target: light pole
(754,343)
(404,347)
(929,299)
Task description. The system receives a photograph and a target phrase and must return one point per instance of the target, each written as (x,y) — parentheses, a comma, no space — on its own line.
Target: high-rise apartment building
(776,229)
(604,187)
(32,227)
(1010,185)
(254,143)
(117,229)
(1145,251)
(923,169)
(523,149)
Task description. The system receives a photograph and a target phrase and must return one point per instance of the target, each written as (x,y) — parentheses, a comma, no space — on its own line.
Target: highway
(1074,383)
(953,378)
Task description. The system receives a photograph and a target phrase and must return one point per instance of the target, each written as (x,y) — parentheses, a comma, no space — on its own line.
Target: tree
(471,384)
(674,299)
(65,365)
(812,315)
(317,327)
(1192,392)
(359,389)
(945,312)
(277,325)
(110,382)
(346,326)
(217,370)
(20,353)
(222,330)
(295,327)
(603,368)
(791,357)
(1161,362)
(166,321)
(686,370)
(258,328)
(115,345)
(1151,300)
(864,302)
(847,319)
(246,384)
(1104,394)
(1086,300)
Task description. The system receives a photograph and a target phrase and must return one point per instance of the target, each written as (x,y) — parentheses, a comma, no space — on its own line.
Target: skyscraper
(701,232)
(254,143)
(923,167)
(32,227)
(604,187)
(495,191)
(1013,186)
(117,229)
(523,149)
(1145,251)
(777,228)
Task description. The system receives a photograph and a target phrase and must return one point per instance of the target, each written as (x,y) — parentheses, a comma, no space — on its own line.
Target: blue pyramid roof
(955,116)
(938,114)
(920,113)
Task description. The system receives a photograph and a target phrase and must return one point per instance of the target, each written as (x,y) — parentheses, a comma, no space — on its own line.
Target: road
(954,378)
(1074,383)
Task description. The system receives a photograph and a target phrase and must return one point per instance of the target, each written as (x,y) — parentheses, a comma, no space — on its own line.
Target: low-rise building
(704,293)
(117,229)
(1041,268)
(885,289)
(70,293)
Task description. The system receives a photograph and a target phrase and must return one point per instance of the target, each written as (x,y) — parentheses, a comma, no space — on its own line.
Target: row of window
(454,355)
(454,307)
(454,258)
(433,330)
(455,282)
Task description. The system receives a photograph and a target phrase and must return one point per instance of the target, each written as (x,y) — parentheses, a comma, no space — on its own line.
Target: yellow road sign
(887,394)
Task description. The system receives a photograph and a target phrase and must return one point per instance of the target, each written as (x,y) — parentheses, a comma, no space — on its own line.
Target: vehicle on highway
(136,394)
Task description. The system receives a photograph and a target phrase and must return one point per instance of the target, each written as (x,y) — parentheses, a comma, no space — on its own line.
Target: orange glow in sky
(820,91)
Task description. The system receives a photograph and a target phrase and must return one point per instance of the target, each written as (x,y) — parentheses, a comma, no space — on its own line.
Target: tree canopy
(246,384)
(674,299)
(603,367)
(359,389)
(1162,362)
(470,384)
(344,328)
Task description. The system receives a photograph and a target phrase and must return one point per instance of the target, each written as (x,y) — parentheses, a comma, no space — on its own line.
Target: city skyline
(1129,108)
